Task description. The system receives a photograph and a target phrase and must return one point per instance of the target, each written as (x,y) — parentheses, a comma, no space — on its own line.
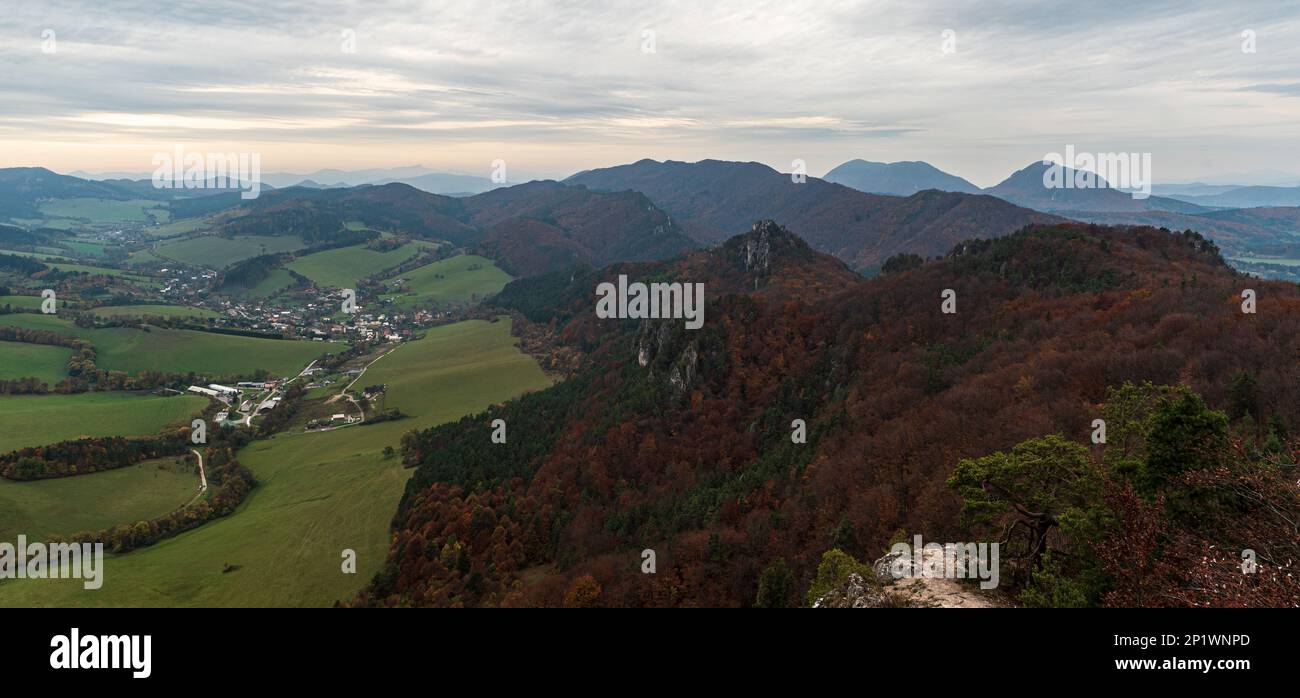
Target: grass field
(36,420)
(37,321)
(180,351)
(317,493)
(98,210)
(345,266)
(26,302)
(455,280)
(275,282)
(136,311)
(218,252)
(180,227)
(20,360)
(36,255)
(86,248)
(102,271)
(143,257)
(67,505)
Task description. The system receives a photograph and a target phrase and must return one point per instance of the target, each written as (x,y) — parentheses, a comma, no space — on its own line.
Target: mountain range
(702,203)
(1244,197)
(906,178)
(712,200)
(418,176)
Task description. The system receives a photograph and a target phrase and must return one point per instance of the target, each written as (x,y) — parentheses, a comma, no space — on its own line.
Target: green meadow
(36,420)
(21,360)
(178,227)
(275,282)
(99,210)
(67,505)
(43,256)
(318,494)
(345,266)
(181,351)
(455,280)
(137,311)
(218,252)
(144,257)
(87,248)
(100,271)
(25,302)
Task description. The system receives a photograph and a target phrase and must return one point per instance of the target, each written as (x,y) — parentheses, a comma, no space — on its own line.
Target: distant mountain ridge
(418,176)
(897,178)
(708,200)
(713,199)
(1026,188)
(1244,197)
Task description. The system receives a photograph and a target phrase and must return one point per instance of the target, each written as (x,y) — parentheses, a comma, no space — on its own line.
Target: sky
(979,88)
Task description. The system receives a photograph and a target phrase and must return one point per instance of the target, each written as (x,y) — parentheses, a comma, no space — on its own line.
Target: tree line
(82,456)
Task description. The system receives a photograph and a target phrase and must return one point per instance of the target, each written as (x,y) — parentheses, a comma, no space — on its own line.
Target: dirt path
(302,373)
(203,477)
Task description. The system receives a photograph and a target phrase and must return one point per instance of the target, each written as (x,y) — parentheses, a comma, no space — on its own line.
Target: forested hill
(680,441)
(769,262)
(527,229)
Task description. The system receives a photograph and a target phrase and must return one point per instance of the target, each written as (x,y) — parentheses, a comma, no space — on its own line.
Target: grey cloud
(1025,75)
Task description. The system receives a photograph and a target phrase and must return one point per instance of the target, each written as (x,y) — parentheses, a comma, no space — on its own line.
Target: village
(311,313)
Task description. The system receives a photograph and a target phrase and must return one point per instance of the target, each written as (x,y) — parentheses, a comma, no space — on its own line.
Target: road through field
(203,478)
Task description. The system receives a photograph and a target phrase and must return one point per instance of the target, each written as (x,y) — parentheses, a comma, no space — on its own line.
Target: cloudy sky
(555,87)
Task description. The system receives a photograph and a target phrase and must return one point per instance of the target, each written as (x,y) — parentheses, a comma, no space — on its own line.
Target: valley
(317,493)
(149,348)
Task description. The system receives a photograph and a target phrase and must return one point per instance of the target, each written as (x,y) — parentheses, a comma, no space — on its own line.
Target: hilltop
(897,178)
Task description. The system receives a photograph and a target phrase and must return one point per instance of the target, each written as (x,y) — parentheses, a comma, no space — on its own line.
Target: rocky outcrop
(858,592)
(656,337)
(756,252)
(897,584)
(651,337)
(682,376)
